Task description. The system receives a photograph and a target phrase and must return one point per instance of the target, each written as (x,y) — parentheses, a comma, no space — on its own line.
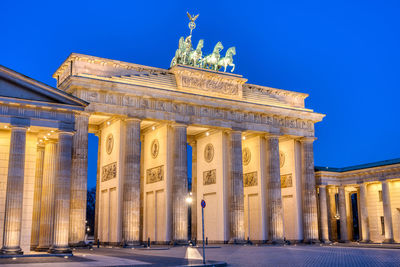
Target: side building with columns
(360,203)
(252,158)
(37,124)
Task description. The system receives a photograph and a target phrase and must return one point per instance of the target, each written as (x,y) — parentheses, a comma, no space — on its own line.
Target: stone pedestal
(310,212)
(323,207)
(37,196)
(47,200)
(275,209)
(15,190)
(236,194)
(62,194)
(343,215)
(179,186)
(364,214)
(131,186)
(79,181)
(387,213)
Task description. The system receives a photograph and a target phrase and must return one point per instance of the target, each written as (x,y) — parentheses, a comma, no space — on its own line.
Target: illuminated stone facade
(252,162)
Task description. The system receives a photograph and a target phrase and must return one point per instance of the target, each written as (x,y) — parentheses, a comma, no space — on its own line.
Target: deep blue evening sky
(345,54)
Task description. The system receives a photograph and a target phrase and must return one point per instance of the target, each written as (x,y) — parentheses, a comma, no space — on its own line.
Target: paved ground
(300,255)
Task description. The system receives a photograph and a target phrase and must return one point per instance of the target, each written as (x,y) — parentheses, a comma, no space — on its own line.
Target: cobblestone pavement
(300,255)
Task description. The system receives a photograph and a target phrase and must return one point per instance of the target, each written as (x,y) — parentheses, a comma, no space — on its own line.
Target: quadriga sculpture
(195,55)
(211,61)
(227,60)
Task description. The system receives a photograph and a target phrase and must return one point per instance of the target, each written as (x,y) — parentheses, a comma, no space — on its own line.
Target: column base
(344,241)
(237,241)
(180,242)
(131,244)
(276,242)
(79,244)
(42,249)
(326,241)
(388,241)
(11,251)
(365,241)
(60,250)
(311,241)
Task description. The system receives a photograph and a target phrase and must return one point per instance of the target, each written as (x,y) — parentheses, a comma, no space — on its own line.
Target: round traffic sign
(203,203)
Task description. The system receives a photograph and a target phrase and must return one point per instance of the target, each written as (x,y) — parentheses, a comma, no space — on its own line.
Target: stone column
(343,215)
(48,193)
(37,196)
(131,187)
(62,194)
(275,209)
(310,211)
(79,180)
(15,192)
(323,207)
(179,186)
(236,194)
(364,213)
(194,190)
(387,213)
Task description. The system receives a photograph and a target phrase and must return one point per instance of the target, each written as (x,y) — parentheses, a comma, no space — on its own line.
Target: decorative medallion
(246,156)
(210,177)
(155,147)
(286,180)
(250,179)
(209,152)
(155,174)
(281,158)
(109,143)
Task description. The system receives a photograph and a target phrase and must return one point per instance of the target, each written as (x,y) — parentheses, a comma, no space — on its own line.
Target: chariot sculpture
(186,55)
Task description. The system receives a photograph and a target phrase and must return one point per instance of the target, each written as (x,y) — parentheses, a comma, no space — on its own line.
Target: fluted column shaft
(275,209)
(62,193)
(364,213)
(15,192)
(343,215)
(79,180)
(180,186)
(236,211)
(96,216)
(310,212)
(37,196)
(131,189)
(387,213)
(47,199)
(323,207)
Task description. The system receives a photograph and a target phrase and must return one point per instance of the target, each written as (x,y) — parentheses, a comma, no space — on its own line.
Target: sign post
(203,205)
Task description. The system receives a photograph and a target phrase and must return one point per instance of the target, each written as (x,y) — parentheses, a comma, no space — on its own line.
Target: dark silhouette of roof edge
(359,167)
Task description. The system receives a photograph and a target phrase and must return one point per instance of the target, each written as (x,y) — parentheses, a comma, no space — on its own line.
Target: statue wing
(196,17)
(190,17)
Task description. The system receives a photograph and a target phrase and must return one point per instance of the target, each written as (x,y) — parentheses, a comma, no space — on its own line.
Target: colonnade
(327,214)
(50,225)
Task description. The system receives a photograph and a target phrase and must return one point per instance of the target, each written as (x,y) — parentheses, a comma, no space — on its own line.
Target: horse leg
(233,67)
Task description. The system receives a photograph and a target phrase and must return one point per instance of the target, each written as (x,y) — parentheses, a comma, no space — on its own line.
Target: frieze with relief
(155,174)
(250,179)
(201,111)
(210,177)
(286,181)
(109,172)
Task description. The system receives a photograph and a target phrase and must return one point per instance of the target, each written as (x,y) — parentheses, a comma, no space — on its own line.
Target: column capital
(322,186)
(132,119)
(82,113)
(307,139)
(62,132)
(178,124)
(272,135)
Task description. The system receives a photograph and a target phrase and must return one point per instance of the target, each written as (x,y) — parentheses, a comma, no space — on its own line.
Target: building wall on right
(374,213)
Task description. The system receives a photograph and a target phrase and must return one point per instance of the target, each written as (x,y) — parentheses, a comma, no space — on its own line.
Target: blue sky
(345,54)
